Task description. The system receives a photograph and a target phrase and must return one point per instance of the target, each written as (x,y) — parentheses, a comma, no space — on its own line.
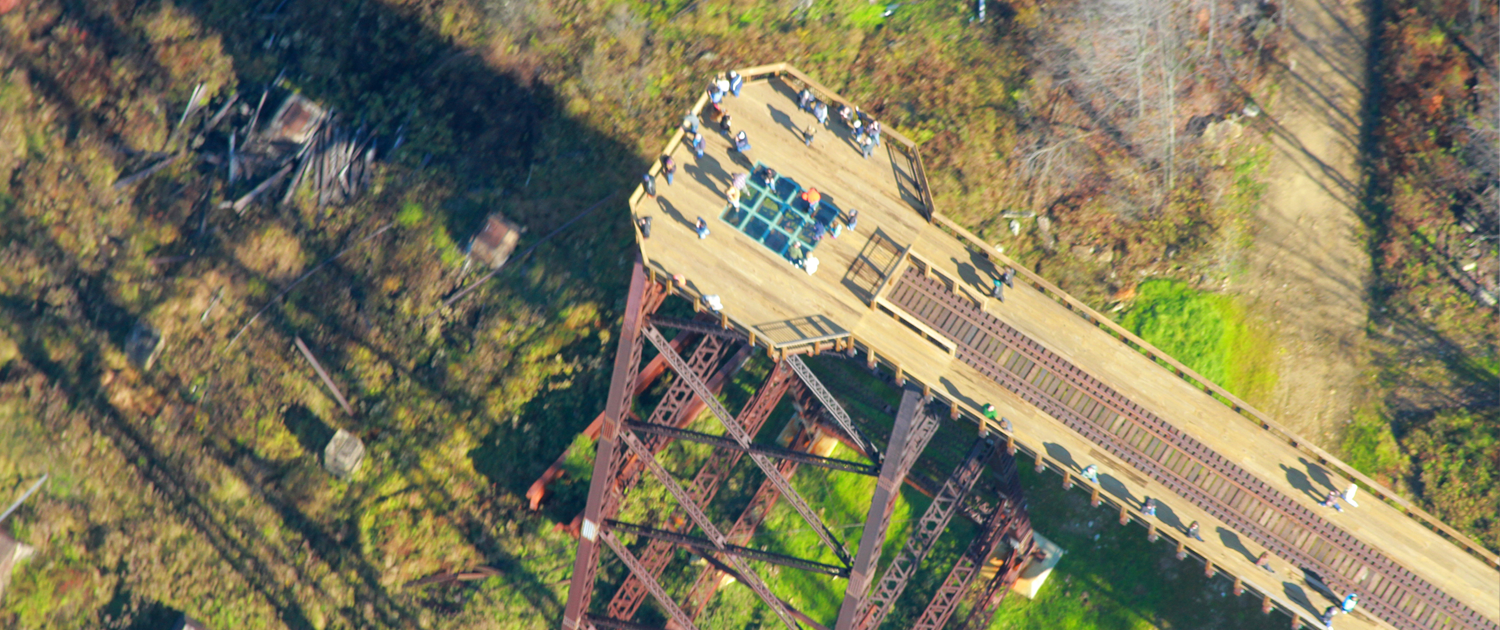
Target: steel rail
(1190,468)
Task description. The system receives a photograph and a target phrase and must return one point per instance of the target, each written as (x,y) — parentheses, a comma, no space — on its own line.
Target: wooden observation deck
(909,288)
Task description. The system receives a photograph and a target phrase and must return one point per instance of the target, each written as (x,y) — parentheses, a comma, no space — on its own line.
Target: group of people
(864,129)
(729,83)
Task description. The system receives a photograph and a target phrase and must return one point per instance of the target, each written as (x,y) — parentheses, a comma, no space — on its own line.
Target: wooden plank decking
(763,292)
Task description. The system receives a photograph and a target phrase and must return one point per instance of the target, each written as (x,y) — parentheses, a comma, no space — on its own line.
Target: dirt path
(1309,268)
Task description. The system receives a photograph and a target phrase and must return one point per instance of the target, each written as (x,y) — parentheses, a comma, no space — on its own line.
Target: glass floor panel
(777,216)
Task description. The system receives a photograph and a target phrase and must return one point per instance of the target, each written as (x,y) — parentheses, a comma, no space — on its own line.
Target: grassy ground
(196,486)
(1210,333)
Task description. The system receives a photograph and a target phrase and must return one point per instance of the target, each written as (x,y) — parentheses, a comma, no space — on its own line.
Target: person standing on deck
(999,290)
(1091,473)
(698,145)
(1332,501)
(768,177)
(804,99)
(866,147)
(1264,561)
(736,83)
(645,224)
(701,229)
(853,219)
(733,195)
(875,132)
(741,142)
(726,126)
(723,86)
(691,122)
(650,185)
(1349,495)
(820,111)
(669,166)
(1192,530)
(1149,508)
(739,180)
(845,115)
(714,95)
(809,134)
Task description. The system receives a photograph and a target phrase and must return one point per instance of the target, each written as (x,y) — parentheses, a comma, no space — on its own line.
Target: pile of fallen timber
(336,163)
(296,143)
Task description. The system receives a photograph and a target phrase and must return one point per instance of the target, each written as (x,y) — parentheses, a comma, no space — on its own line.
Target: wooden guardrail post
(1151,534)
(1067,480)
(1094,499)
(1181,550)
(1265,605)
(1041,462)
(1124,515)
(1208,568)
(1239,587)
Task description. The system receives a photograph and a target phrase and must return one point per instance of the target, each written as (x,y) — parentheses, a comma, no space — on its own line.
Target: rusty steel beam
(538,490)
(836,410)
(744,527)
(600,502)
(913,429)
(674,404)
(920,541)
(704,544)
(673,610)
(704,486)
(1007,519)
(982,613)
(728,570)
(706,328)
(760,449)
(606,623)
(703,522)
(738,433)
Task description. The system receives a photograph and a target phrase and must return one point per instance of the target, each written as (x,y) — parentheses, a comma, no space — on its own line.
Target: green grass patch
(1210,333)
(1370,446)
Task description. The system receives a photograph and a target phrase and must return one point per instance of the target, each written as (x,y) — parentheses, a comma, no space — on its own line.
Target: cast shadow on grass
(311,431)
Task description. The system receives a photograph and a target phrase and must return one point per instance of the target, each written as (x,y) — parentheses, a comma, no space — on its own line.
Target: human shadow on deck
(1060,454)
(1110,484)
(1231,540)
(1299,597)
(1300,481)
(785,120)
(707,171)
(671,210)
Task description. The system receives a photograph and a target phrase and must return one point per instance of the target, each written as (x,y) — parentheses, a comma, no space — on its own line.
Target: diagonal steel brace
(673,610)
(834,409)
(703,522)
(740,435)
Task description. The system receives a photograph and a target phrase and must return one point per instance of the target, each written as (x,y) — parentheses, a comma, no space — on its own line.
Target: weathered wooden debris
(495,241)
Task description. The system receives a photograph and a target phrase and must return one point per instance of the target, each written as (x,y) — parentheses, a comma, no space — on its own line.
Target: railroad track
(1187,466)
